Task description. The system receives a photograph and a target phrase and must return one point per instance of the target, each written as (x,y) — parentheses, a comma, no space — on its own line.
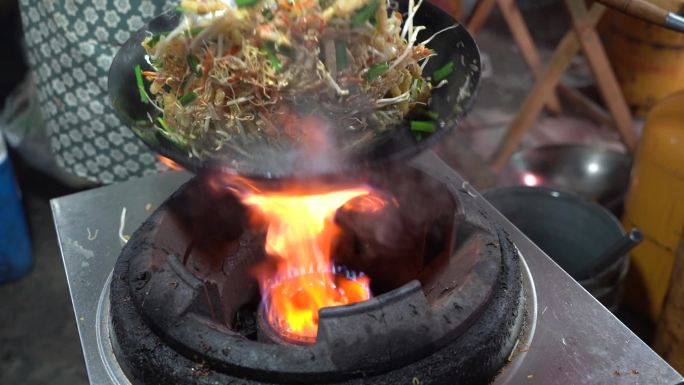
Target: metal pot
(573,231)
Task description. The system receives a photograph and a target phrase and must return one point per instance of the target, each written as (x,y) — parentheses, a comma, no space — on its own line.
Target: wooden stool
(584,37)
(521,35)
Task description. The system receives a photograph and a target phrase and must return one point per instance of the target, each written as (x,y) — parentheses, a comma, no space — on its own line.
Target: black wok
(399,143)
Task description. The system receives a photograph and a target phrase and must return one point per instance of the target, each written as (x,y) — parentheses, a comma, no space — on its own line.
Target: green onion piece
(187,98)
(193,31)
(153,40)
(376,71)
(171,134)
(194,64)
(184,83)
(432,115)
(269,49)
(365,13)
(423,126)
(246,3)
(180,9)
(163,124)
(141,84)
(443,72)
(268,14)
(341,56)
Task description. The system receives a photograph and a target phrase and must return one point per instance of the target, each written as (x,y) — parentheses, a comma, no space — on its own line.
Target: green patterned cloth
(70,46)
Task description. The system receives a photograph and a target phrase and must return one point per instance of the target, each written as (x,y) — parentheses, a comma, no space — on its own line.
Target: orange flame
(300,236)
(170,163)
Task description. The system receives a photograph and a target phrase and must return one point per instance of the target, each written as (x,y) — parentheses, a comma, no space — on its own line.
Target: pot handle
(648,12)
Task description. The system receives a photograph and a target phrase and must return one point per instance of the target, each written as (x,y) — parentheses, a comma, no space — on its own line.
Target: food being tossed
(243,71)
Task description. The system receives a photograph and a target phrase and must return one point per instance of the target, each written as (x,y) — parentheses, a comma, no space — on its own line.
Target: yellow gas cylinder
(647,59)
(655,204)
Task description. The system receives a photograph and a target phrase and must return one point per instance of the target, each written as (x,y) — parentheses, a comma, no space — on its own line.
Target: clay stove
(447,303)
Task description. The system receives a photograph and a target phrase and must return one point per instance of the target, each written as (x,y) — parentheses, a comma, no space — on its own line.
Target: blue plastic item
(15,246)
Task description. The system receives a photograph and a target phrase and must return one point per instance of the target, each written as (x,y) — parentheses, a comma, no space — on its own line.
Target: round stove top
(447,286)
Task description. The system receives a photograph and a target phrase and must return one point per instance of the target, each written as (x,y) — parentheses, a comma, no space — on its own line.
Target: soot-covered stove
(459,296)
(447,290)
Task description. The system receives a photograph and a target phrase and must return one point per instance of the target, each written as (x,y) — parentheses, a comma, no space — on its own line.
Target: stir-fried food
(231,74)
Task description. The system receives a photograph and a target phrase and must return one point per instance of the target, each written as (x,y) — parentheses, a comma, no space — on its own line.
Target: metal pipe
(675,22)
(648,12)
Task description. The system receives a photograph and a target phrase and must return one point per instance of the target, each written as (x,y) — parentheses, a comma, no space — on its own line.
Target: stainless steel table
(572,339)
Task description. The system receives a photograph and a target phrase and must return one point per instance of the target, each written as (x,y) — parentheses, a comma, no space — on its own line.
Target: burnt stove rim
(160,362)
(255,357)
(313,351)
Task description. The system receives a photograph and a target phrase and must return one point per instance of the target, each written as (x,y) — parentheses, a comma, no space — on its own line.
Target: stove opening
(298,277)
(287,252)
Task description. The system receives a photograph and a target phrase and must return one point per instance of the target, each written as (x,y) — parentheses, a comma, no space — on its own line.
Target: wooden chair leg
(603,73)
(480,15)
(457,9)
(586,106)
(523,39)
(542,90)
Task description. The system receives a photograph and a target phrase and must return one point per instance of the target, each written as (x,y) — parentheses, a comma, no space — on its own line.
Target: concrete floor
(38,337)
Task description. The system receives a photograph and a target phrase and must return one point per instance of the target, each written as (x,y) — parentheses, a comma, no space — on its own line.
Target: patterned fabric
(70,45)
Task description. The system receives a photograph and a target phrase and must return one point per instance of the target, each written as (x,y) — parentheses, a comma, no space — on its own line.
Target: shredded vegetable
(141,84)
(443,72)
(229,75)
(187,98)
(423,126)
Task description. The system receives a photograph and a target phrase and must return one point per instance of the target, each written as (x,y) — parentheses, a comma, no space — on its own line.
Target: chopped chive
(180,9)
(431,114)
(443,72)
(192,32)
(153,40)
(376,71)
(269,49)
(187,98)
(365,13)
(268,14)
(171,134)
(141,84)
(423,126)
(163,124)
(341,55)
(246,3)
(194,64)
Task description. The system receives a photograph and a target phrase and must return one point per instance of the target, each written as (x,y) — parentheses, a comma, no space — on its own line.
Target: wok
(397,143)
(597,174)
